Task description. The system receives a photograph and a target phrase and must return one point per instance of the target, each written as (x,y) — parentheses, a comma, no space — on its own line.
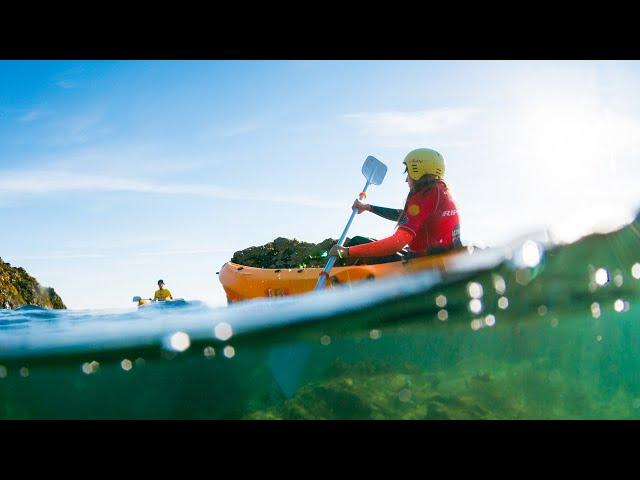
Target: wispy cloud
(242,129)
(395,123)
(184,252)
(32,115)
(62,256)
(45,182)
(66,84)
(77,130)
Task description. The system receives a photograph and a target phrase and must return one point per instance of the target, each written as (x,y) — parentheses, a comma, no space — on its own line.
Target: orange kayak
(244,283)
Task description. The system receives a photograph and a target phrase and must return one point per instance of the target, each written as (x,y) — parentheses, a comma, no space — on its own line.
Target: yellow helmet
(423,161)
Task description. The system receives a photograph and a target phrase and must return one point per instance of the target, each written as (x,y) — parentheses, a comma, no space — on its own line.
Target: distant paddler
(162,294)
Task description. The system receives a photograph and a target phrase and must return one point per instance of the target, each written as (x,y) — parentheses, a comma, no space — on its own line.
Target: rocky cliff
(18,288)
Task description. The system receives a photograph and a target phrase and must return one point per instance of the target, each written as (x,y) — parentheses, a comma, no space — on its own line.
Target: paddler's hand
(361,207)
(338,251)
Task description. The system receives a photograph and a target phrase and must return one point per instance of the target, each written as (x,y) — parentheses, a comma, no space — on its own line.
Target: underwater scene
(534,330)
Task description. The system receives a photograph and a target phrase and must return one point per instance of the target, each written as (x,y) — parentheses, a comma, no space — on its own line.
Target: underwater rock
(18,288)
(285,253)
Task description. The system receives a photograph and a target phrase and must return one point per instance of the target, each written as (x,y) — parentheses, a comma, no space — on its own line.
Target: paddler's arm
(392,214)
(380,248)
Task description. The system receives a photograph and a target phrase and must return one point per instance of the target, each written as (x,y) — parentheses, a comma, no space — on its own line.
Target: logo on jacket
(404,220)
(413,210)
(449,213)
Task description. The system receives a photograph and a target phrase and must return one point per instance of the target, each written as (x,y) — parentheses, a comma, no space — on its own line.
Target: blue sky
(115,174)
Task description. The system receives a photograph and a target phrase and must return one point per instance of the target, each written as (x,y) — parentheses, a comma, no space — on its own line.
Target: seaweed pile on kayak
(18,288)
(285,253)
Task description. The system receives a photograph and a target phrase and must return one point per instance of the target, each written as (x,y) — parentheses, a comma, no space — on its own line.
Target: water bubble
(441,301)
(404,395)
(635,271)
(601,277)
(503,303)
(489,320)
(90,367)
(599,338)
(531,253)
(223,331)
(178,342)
(209,352)
(126,364)
(375,334)
(618,305)
(476,324)
(325,340)
(443,315)
(24,372)
(475,306)
(542,310)
(474,289)
(618,279)
(499,284)
(3,371)
(595,310)
(554,322)
(523,277)
(229,351)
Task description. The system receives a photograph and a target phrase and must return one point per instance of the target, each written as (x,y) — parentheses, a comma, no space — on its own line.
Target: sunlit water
(529,331)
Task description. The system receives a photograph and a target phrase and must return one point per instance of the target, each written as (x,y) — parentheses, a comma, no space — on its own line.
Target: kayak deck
(241,282)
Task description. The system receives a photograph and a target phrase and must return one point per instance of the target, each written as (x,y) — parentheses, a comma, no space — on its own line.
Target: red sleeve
(418,209)
(386,246)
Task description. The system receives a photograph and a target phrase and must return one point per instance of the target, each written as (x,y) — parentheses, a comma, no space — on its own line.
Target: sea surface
(532,330)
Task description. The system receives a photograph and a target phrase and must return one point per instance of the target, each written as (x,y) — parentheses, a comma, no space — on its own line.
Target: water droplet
(126,364)
(475,306)
(375,334)
(325,340)
(601,277)
(503,303)
(618,305)
(404,395)
(223,331)
(229,351)
(554,322)
(443,315)
(90,367)
(489,320)
(499,284)
(599,338)
(24,372)
(476,324)
(595,310)
(474,289)
(542,310)
(209,352)
(178,342)
(635,271)
(441,301)
(618,279)
(531,253)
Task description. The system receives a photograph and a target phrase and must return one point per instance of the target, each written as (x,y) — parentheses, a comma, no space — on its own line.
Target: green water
(551,353)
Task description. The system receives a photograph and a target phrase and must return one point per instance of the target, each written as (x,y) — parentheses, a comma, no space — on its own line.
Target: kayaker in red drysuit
(428,224)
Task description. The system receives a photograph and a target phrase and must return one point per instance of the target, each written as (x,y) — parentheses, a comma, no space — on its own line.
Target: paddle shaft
(325,273)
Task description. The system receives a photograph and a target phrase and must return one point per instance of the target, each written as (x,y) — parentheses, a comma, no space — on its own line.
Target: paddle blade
(136,299)
(374,170)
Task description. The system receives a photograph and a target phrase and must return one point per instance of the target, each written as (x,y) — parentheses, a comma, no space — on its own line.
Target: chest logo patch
(413,210)
(404,220)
